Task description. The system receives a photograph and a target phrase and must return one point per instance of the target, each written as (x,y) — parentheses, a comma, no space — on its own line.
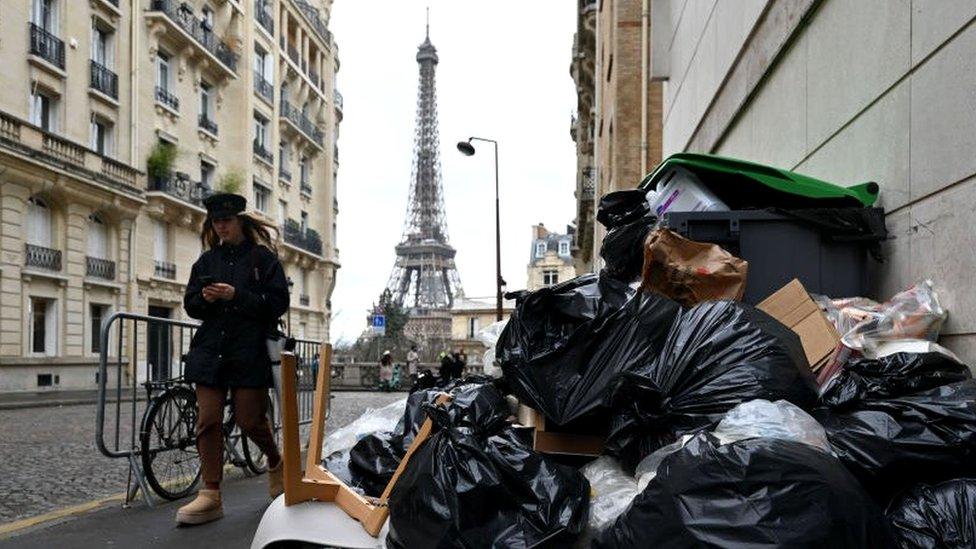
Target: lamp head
(466,148)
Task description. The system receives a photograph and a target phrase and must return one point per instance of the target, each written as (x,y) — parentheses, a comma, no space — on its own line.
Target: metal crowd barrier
(139,353)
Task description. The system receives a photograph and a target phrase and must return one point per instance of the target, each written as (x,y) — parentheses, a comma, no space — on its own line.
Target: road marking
(57,514)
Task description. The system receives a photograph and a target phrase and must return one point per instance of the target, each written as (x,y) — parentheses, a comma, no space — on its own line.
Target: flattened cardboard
(794,307)
(557,443)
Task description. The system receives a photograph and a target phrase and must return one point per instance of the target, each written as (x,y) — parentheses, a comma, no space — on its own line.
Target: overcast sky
(503,74)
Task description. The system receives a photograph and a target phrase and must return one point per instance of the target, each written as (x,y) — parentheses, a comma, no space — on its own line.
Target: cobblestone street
(48,458)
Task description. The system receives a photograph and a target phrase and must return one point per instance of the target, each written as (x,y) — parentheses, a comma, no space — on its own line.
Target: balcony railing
(293,54)
(180,186)
(41,257)
(263,16)
(315,20)
(103,79)
(306,187)
(207,124)
(303,300)
(184,19)
(264,88)
(261,152)
(48,148)
(308,239)
(165,269)
(587,183)
(315,78)
(166,98)
(99,268)
(46,46)
(284,174)
(302,122)
(338,99)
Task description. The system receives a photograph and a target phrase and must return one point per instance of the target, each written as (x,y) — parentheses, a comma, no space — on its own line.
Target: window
(263,67)
(472,327)
(44,14)
(206,174)
(303,170)
(303,281)
(96,313)
(550,277)
(304,225)
(262,197)
(540,249)
(282,154)
(101,136)
(208,18)
(102,46)
(162,71)
(161,241)
(261,131)
(282,212)
(43,329)
(97,237)
(206,101)
(38,222)
(563,247)
(43,108)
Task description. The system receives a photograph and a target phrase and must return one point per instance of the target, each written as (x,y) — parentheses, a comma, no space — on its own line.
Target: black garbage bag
(565,343)
(937,517)
(759,492)
(477,483)
(718,355)
(892,443)
(628,220)
(891,376)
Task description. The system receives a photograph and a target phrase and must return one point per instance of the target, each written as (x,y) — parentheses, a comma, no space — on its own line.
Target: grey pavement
(48,461)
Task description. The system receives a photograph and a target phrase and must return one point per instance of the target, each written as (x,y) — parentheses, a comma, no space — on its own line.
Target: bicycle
(168,439)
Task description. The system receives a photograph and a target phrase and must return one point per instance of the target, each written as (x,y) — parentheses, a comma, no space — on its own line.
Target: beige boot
(276,482)
(205,508)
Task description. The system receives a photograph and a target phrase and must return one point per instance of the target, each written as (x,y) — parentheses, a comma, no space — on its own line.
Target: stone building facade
(617,128)
(550,259)
(848,91)
(116,119)
(470,315)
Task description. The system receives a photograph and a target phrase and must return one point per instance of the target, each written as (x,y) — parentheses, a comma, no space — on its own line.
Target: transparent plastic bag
(611,491)
(489,337)
(372,421)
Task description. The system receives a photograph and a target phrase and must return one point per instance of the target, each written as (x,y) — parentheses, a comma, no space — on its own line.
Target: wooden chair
(317,483)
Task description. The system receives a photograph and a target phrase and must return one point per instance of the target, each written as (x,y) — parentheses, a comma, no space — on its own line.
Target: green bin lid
(706,166)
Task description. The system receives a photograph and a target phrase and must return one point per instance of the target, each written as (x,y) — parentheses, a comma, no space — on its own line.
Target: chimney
(539,231)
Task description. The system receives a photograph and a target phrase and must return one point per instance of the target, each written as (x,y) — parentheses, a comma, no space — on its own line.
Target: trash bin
(781,246)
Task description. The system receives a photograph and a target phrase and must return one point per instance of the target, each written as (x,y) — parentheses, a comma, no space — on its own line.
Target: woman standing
(238,289)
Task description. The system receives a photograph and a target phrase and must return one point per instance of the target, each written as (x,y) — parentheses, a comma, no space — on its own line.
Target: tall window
(43,108)
(96,312)
(263,67)
(282,154)
(97,237)
(282,212)
(206,174)
(102,46)
(304,225)
(43,328)
(162,70)
(161,241)
(38,222)
(206,101)
(208,18)
(261,132)
(563,248)
(473,327)
(44,14)
(540,249)
(262,197)
(303,170)
(550,277)
(303,282)
(101,136)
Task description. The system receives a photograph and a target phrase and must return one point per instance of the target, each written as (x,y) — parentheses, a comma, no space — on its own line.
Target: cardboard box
(794,307)
(557,443)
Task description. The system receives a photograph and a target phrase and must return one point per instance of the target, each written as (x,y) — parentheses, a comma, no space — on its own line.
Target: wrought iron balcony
(293,54)
(99,268)
(587,183)
(308,239)
(315,78)
(302,122)
(103,80)
(284,174)
(182,16)
(263,16)
(306,187)
(41,257)
(165,269)
(314,19)
(303,300)
(46,46)
(264,88)
(180,186)
(261,152)
(166,98)
(207,124)
(338,99)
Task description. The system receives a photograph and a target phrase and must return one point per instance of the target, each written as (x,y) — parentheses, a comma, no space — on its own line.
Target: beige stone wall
(551,261)
(60,168)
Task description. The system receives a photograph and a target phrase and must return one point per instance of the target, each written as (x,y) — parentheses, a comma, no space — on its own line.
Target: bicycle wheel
(257,462)
(168,443)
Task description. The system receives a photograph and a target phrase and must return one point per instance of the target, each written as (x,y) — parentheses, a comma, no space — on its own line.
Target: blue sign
(379,324)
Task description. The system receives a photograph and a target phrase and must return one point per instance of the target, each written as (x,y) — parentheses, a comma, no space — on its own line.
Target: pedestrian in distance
(446,370)
(386,371)
(238,289)
(413,359)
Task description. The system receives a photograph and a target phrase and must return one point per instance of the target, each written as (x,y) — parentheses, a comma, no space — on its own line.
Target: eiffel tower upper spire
(424,277)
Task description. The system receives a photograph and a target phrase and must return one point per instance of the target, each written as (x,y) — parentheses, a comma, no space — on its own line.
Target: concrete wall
(849,91)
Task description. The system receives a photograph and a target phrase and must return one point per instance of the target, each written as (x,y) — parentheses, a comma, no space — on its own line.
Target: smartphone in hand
(206,280)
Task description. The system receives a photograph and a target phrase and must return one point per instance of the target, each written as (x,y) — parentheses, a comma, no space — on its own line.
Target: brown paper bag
(690,272)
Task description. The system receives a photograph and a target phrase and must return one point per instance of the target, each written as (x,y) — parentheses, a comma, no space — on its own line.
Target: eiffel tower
(425,280)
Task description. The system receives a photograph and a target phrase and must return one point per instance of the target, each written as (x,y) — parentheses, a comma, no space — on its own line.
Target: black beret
(222,205)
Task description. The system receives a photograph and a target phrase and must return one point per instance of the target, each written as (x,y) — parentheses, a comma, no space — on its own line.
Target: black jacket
(230,349)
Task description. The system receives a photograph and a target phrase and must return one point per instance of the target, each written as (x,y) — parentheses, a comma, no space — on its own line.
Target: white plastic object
(611,491)
(684,194)
(371,421)
(489,337)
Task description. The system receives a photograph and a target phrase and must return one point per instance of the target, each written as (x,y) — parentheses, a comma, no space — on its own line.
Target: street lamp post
(467,149)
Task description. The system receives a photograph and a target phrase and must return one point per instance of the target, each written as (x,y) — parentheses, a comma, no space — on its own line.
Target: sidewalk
(16,400)
(140,526)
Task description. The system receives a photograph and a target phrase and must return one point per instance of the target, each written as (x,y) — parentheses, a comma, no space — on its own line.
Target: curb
(11,529)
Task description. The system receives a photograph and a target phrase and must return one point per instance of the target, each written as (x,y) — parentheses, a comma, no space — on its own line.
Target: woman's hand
(222,291)
(210,294)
